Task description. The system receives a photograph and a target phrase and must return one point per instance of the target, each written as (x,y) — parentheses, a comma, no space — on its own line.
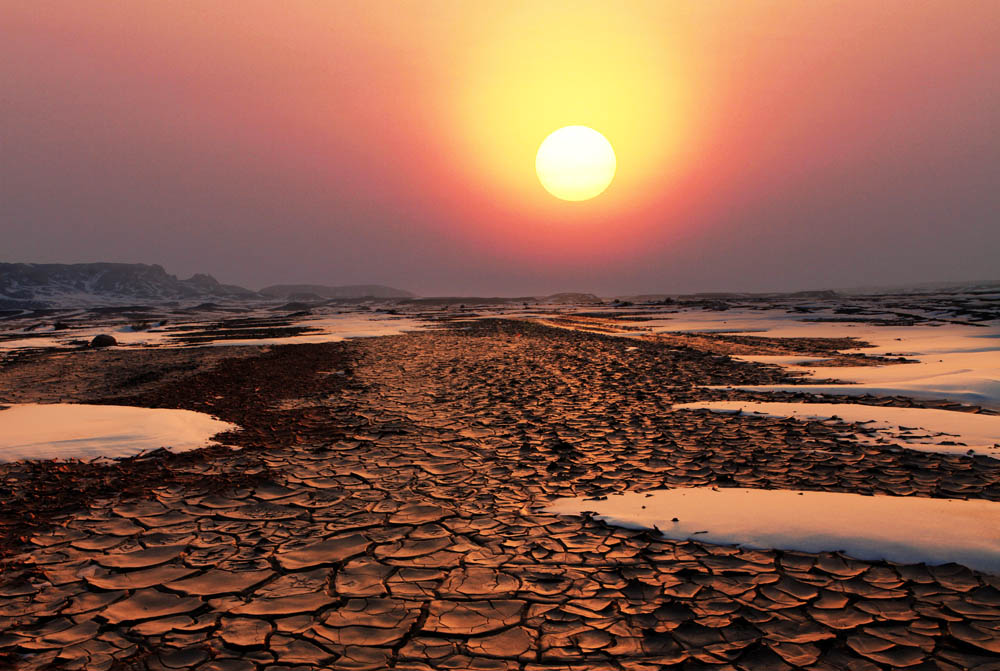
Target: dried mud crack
(399,525)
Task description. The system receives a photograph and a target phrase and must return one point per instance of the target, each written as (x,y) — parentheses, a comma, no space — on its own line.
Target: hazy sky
(760,145)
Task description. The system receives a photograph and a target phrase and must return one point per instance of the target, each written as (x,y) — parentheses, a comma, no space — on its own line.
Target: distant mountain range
(34,285)
(61,283)
(40,285)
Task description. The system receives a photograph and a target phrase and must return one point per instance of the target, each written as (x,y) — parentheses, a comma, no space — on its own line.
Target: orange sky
(760,145)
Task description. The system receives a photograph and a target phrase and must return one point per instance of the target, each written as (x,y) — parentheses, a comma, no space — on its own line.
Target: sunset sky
(760,145)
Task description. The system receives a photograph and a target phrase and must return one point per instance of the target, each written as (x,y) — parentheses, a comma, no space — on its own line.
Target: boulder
(103,340)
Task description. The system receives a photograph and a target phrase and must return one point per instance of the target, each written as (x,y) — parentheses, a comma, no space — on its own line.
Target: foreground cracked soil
(400,526)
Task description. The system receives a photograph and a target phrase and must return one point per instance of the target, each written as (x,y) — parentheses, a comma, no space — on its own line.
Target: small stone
(103,340)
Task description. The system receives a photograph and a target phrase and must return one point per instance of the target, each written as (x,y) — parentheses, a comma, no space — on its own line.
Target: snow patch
(78,431)
(955,362)
(332,328)
(336,329)
(905,529)
(924,429)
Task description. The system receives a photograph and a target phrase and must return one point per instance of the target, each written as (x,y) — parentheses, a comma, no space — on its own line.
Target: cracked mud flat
(397,522)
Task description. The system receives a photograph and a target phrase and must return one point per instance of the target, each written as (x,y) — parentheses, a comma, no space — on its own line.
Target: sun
(575,163)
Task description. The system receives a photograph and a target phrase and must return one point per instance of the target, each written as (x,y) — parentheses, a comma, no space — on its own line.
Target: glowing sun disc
(575,163)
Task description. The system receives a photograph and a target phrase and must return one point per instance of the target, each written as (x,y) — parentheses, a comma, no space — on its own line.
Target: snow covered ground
(959,363)
(906,529)
(328,328)
(67,430)
(339,327)
(922,429)
(955,362)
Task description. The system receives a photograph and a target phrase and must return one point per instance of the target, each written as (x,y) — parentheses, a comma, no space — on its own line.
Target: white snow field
(922,429)
(904,529)
(956,362)
(68,430)
(328,328)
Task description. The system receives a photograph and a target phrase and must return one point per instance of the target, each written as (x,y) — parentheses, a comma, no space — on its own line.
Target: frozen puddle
(929,430)
(67,430)
(904,529)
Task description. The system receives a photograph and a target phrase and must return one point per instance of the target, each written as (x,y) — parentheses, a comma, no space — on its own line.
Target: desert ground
(384,502)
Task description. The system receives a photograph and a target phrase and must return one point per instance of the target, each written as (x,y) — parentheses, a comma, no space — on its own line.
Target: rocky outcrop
(103,340)
(109,282)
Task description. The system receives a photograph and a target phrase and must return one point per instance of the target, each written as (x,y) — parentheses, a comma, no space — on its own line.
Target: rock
(103,340)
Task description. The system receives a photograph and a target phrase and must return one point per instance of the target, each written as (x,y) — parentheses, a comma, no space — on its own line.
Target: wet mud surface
(396,524)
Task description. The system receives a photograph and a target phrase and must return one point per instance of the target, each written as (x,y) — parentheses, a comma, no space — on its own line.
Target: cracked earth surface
(400,528)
